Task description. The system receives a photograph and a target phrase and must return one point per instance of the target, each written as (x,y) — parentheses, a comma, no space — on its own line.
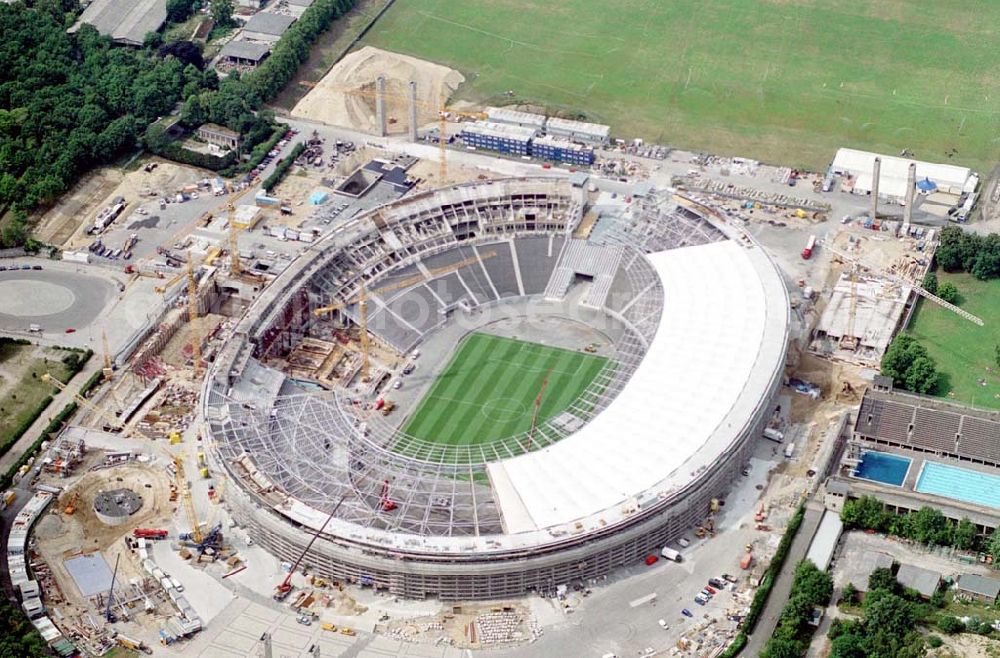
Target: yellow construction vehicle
(109,371)
(361,299)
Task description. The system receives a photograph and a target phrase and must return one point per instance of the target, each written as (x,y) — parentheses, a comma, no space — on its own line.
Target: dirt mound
(346,95)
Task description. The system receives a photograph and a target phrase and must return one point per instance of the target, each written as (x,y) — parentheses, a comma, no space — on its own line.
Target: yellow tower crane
(192,291)
(112,421)
(109,371)
(185,489)
(361,299)
(235,268)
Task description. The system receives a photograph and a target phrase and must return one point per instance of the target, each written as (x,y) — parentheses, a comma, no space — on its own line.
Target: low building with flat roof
(561,150)
(245,53)
(267,27)
(578,131)
(127,22)
(298,7)
(979,588)
(917,578)
(502,137)
(516,117)
(213,133)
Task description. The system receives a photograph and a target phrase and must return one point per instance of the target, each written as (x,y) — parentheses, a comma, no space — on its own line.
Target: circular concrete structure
(696,319)
(32,299)
(114,507)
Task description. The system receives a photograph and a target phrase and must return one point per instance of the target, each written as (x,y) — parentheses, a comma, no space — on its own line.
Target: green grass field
(488,389)
(964,352)
(784,81)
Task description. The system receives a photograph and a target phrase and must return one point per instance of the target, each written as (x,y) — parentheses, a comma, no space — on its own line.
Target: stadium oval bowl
(700,318)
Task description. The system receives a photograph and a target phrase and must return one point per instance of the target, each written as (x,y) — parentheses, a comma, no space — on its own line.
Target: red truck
(810,245)
(149,533)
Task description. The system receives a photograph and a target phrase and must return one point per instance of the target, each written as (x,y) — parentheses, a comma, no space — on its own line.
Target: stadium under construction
(690,316)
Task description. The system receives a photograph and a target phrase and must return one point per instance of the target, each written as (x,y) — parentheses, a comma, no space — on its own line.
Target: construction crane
(849,341)
(113,423)
(917,288)
(285,586)
(192,292)
(235,268)
(538,406)
(361,299)
(109,371)
(166,286)
(185,489)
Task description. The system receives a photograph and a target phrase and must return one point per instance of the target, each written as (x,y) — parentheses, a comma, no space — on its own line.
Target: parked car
(70,330)
(701,599)
(717,583)
(687,613)
(711,590)
(728,578)
(36,267)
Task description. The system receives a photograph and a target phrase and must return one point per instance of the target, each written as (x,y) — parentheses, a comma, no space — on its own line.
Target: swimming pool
(882,467)
(959,484)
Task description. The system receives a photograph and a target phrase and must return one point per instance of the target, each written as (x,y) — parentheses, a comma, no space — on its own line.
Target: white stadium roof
(721,334)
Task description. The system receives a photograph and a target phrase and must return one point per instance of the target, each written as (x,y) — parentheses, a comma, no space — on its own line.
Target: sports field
(784,81)
(488,389)
(964,352)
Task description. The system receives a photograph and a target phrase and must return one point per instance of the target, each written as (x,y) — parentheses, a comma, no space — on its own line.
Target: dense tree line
(72,101)
(978,255)
(927,525)
(909,365)
(810,588)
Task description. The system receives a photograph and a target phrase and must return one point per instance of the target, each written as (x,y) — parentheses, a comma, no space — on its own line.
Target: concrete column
(380,106)
(413,111)
(875,177)
(911,186)
(267,646)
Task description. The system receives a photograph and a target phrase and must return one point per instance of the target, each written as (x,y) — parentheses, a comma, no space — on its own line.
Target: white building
(894,173)
(578,131)
(516,118)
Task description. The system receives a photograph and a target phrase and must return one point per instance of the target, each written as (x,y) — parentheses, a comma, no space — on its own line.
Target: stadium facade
(699,316)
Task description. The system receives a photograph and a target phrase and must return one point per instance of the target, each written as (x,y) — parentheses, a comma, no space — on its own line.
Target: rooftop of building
(245,50)
(125,21)
(269,23)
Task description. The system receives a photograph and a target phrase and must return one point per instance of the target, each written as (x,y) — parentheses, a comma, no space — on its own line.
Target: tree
(929,525)
(783,648)
(930,283)
(908,364)
(951,625)
(993,546)
(849,593)
(222,12)
(964,535)
(848,645)
(882,579)
(178,11)
(948,292)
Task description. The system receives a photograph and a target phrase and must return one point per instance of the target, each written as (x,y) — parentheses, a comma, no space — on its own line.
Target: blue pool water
(960,484)
(882,467)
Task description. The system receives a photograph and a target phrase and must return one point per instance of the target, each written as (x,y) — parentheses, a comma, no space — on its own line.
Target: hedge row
(764,591)
(281,170)
(178,153)
(259,152)
(91,383)
(52,428)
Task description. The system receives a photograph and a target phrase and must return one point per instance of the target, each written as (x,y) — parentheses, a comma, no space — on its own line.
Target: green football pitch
(784,81)
(964,352)
(487,390)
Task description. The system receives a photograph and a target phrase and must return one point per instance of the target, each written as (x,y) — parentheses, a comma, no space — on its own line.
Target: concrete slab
(215,651)
(234,641)
(288,638)
(90,572)
(249,626)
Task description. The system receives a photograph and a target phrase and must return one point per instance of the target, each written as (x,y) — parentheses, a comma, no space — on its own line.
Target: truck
(789,450)
(810,245)
(773,434)
(149,533)
(671,554)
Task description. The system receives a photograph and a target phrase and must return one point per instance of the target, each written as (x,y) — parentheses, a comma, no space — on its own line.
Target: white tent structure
(894,171)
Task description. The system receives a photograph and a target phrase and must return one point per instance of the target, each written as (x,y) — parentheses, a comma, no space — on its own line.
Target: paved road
(783,586)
